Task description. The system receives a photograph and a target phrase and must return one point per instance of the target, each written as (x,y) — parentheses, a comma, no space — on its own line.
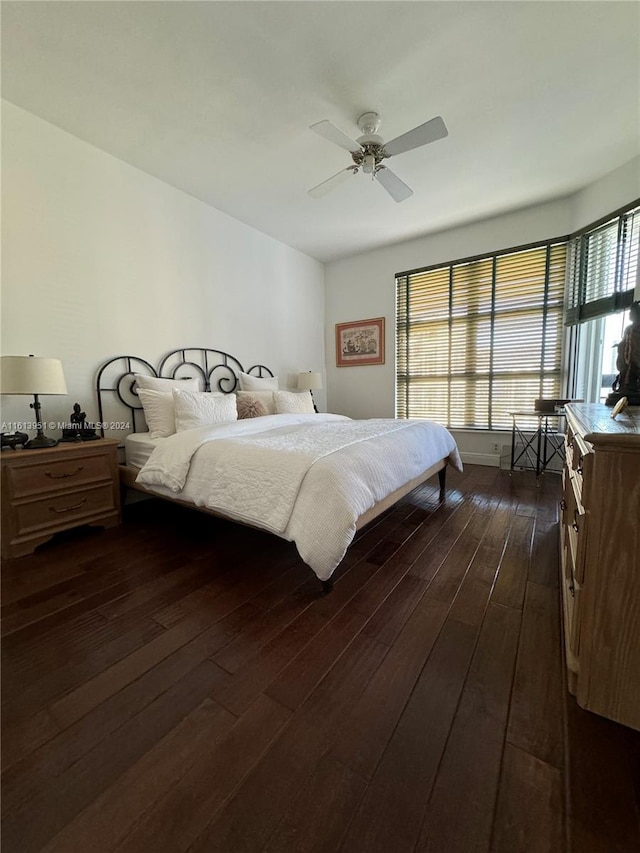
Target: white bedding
(138,447)
(306,478)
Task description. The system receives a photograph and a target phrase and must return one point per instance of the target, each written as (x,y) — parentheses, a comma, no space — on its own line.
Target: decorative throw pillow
(264,397)
(258,383)
(195,409)
(158,412)
(293,402)
(250,407)
(155,383)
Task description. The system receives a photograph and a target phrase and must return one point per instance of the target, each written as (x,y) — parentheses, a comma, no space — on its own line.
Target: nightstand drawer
(57,474)
(63,510)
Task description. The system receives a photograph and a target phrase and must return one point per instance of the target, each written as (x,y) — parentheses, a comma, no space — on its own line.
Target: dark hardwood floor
(179,684)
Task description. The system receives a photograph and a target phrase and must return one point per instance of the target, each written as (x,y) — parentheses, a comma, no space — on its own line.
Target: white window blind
(477,339)
(602,268)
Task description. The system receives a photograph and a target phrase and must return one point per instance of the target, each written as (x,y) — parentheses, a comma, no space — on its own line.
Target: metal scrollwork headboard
(217,370)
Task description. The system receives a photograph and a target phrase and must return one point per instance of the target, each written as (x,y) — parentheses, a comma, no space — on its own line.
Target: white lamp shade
(310,381)
(27,374)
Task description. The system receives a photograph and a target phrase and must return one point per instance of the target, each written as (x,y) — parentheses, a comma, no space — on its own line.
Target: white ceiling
(216,98)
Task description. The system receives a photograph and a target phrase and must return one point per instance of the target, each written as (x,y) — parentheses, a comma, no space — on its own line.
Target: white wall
(101,259)
(363,286)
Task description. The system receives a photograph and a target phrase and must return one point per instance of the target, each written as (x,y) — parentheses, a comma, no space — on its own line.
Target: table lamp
(310,381)
(22,374)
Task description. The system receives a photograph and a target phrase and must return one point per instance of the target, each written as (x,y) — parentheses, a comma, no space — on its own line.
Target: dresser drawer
(63,510)
(57,474)
(566,504)
(569,450)
(579,464)
(571,633)
(576,525)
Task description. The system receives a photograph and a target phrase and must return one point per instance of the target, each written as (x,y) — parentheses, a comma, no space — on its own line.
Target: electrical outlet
(496,448)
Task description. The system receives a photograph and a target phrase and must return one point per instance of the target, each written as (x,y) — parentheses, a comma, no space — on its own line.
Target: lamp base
(40,442)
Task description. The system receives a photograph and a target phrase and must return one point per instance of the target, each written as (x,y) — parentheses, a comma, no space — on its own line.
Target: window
(603,266)
(479,338)
(596,348)
(602,273)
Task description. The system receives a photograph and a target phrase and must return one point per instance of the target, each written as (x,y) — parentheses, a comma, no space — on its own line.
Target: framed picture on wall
(360,342)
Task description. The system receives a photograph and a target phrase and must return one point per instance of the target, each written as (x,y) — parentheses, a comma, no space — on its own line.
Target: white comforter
(306,478)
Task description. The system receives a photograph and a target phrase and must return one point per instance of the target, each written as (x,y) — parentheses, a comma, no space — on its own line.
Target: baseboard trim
(492,459)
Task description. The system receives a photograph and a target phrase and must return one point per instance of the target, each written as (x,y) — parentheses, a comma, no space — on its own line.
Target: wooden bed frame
(220,371)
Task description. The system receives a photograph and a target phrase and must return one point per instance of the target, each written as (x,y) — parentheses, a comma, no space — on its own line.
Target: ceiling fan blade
(334,134)
(396,188)
(431,130)
(330,183)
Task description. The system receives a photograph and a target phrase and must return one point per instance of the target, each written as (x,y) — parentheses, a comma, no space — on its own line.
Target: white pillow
(153,383)
(195,409)
(293,402)
(158,412)
(258,383)
(264,397)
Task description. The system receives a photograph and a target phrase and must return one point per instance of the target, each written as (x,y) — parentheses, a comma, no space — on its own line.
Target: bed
(311,478)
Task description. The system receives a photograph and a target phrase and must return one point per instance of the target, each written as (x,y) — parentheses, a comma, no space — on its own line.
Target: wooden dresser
(600,554)
(45,491)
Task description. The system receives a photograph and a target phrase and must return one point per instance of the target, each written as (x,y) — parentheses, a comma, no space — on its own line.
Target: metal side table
(540,445)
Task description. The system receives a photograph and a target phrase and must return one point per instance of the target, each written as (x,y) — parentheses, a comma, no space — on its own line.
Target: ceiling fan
(369,150)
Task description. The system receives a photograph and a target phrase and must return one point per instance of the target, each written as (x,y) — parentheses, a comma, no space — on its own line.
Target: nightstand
(46,491)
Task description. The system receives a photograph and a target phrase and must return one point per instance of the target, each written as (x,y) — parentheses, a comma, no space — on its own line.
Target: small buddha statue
(78,429)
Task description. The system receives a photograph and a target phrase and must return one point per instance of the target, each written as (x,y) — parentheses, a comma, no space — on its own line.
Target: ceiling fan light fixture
(369,164)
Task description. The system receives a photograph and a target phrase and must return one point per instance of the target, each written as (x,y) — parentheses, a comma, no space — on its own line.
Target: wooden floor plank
(178,817)
(24,735)
(120,617)
(89,593)
(309,667)
(80,784)
(383,583)
(389,619)
(166,588)
(370,724)
(514,569)
(223,594)
(253,814)
(40,769)
(604,812)
(320,813)
(446,583)
(110,817)
(63,679)
(529,817)
(536,715)
(240,691)
(266,627)
(544,558)
(431,559)
(405,774)
(460,812)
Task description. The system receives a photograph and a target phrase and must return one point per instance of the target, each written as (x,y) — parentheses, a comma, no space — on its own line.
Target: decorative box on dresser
(600,554)
(57,488)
